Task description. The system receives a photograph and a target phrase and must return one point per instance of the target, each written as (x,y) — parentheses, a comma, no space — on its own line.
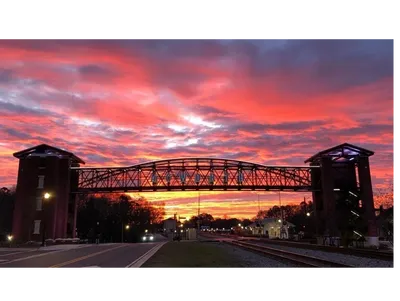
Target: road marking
(85,257)
(146,256)
(18,251)
(12,253)
(33,256)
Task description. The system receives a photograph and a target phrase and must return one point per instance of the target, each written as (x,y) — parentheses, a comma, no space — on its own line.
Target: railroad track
(299,259)
(349,251)
(367,253)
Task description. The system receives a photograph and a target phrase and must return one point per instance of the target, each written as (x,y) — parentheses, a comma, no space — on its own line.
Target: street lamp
(46,196)
(122,232)
(10,238)
(308,213)
(240,225)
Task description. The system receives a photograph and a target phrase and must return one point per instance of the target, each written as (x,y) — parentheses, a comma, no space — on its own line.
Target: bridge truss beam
(191,174)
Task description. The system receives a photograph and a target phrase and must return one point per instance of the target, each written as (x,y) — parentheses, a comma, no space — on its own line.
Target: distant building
(191,234)
(272,227)
(169,225)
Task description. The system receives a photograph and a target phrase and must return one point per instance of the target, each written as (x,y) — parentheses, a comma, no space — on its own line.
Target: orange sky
(268,102)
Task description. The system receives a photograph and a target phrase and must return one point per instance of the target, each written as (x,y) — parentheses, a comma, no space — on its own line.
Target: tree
(108,215)
(221,223)
(261,214)
(7,202)
(384,197)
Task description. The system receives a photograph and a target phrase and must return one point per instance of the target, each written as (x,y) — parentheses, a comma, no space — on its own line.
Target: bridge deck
(193,174)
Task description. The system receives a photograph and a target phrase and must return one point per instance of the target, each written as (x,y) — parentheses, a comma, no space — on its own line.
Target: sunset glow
(274,102)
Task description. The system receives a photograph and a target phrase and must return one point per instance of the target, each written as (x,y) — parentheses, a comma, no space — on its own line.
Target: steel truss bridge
(191,174)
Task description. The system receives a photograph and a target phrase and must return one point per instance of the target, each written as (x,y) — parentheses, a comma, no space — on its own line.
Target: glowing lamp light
(46,195)
(145,231)
(127,227)
(308,214)
(9,237)
(239,225)
(279,220)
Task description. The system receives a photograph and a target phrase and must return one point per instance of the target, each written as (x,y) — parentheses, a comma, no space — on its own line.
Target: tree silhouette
(7,201)
(108,215)
(384,197)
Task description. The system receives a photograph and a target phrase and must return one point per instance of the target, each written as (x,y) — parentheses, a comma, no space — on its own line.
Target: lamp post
(127,227)
(281,219)
(46,196)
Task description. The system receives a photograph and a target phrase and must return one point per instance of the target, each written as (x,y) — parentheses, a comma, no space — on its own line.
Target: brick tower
(346,192)
(44,169)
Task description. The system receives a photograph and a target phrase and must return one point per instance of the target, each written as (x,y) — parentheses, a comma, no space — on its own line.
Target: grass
(193,254)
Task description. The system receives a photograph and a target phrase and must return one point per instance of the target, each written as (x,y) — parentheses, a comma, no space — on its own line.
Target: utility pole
(198,213)
(260,232)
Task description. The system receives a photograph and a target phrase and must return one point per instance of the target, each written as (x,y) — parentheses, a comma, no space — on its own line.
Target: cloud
(6,75)
(274,102)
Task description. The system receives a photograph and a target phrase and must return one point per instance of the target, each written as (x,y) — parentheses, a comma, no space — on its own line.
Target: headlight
(144,238)
(151,237)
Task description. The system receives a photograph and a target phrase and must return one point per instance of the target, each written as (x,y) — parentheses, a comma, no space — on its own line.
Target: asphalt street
(102,255)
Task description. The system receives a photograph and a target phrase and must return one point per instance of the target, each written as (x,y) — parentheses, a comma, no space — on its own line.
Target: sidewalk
(63,247)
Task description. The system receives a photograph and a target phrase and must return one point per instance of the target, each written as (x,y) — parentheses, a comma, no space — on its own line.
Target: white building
(273,227)
(169,225)
(191,234)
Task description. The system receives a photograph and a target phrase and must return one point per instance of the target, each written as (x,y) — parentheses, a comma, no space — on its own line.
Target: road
(102,255)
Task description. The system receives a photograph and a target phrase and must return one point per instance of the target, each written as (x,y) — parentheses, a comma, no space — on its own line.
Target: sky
(123,102)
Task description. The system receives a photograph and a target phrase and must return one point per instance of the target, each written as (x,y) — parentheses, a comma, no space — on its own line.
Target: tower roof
(341,152)
(45,149)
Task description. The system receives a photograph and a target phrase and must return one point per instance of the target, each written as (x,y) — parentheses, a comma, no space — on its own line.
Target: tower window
(36,227)
(41,182)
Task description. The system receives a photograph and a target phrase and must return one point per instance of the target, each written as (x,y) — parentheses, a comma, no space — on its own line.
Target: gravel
(251,259)
(356,261)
